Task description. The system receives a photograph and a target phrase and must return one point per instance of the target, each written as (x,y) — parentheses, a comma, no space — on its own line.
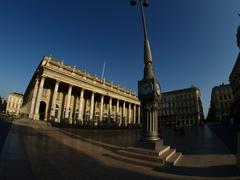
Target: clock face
(158,89)
(146,88)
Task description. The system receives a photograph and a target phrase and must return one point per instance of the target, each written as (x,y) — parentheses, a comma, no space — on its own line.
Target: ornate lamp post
(148,87)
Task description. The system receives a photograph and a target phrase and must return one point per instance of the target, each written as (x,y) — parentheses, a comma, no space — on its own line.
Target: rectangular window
(229,96)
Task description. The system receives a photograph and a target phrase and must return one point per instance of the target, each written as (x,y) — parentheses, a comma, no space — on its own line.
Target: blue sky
(193,41)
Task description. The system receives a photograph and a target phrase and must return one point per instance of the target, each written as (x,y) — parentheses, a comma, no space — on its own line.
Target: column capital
(36,80)
(57,81)
(43,76)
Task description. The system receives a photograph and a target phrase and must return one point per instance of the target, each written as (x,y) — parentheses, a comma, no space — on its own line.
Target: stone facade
(234,79)
(183,107)
(220,106)
(65,94)
(14,104)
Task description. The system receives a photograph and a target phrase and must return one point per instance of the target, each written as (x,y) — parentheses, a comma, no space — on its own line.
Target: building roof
(50,60)
(222,86)
(193,88)
(15,93)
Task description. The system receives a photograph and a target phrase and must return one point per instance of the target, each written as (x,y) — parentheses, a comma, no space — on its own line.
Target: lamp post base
(150,145)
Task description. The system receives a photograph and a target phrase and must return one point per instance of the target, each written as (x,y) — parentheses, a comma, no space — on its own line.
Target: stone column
(68,102)
(134,113)
(110,107)
(39,96)
(34,98)
(123,115)
(129,114)
(101,108)
(55,93)
(117,111)
(80,107)
(92,106)
(139,113)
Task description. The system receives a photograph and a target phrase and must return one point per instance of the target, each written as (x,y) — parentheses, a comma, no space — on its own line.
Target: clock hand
(148,85)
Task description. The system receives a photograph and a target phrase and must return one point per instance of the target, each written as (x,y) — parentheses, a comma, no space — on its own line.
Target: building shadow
(5,126)
(51,159)
(227,133)
(214,171)
(196,140)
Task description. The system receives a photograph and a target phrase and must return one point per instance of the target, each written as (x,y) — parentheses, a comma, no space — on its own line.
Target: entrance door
(42,110)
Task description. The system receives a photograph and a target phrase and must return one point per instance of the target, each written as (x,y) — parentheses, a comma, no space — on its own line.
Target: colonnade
(120,112)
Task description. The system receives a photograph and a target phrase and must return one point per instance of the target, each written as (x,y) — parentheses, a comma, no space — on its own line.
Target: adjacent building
(220,105)
(234,79)
(65,94)
(14,104)
(181,107)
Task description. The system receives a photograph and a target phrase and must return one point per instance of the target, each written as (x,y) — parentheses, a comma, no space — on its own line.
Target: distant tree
(4,105)
(1,104)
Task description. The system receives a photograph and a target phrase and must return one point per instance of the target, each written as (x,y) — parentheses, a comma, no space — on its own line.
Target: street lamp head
(133,2)
(145,3)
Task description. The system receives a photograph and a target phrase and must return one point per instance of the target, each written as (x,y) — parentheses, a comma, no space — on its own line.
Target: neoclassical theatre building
(64,94)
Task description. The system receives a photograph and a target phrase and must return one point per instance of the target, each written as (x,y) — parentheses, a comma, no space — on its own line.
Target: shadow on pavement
(197,140)
(196,147)
(5,126)
(214,171)
(58,158)
(227,133)
(51,159)
(122,138)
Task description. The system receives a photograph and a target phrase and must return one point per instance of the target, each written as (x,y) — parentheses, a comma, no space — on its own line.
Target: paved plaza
(36,150)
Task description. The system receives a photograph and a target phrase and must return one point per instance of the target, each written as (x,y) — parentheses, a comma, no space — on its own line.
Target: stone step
(167,154)
(174,159)
(147,151)
(135,161)
(163,150)
(140,156)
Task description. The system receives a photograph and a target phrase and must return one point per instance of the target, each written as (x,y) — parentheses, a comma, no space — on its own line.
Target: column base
(79,122)
(30,116)
(36,116)
(151,137)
